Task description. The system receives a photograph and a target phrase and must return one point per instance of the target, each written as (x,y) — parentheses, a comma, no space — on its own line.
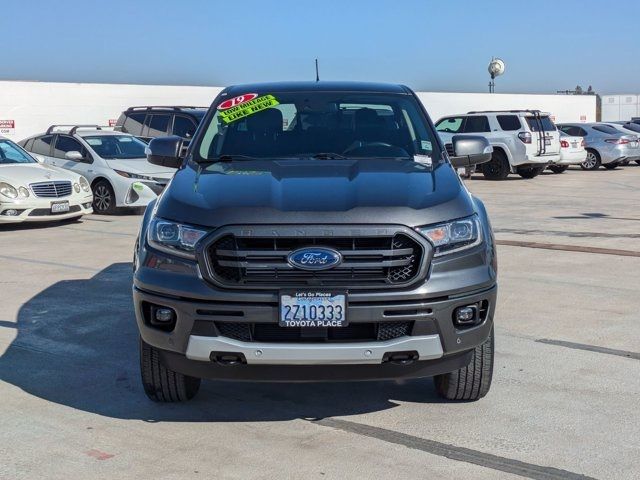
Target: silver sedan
(605,145)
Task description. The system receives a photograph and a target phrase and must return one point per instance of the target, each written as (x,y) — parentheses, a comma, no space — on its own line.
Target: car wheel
(473,381)
(497,168)
(161,384)
(558,168)
(638,162)
(592,162)
(529,172)
(104,199)
(611,166)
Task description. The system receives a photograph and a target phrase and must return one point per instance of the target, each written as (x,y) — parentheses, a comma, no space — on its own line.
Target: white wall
(34,106)
(620,107)
(31,107)
(564,108)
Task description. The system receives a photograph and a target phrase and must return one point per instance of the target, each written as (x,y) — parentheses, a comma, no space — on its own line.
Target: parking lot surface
(564,402)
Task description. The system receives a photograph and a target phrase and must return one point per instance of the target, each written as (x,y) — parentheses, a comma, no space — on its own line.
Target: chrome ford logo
(314,258)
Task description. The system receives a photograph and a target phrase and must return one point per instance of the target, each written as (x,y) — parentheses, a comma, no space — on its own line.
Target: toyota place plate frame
(313,309)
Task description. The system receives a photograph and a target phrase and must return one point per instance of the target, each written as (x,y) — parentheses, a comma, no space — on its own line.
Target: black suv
(316,231)
(151,122)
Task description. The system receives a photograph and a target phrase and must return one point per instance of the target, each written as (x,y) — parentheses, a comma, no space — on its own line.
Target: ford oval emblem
(314,258)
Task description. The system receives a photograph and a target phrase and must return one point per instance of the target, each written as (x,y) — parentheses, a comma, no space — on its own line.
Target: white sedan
(33,192)
(572,152)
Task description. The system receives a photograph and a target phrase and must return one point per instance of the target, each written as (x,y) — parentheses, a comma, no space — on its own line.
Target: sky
(442,45)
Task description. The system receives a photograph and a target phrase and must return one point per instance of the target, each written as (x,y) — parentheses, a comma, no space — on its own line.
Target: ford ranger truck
(316,232)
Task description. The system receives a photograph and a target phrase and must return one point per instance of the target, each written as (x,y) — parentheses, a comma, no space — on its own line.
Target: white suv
(115,164)
(524,141)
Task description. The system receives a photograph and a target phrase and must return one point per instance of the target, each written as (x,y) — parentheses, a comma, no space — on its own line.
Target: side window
(66,144)
(581,132)
(450,125)
(133,124)
(477,124)
(183,126)
(42,145)
(157,125)
(27,144)
(509,123)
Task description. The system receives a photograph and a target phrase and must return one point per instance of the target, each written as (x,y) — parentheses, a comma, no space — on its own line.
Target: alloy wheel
(102,198)
(591,161)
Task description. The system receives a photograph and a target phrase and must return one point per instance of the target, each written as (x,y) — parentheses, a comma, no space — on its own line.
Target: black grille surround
(373,257)
(54,189)
(354,332)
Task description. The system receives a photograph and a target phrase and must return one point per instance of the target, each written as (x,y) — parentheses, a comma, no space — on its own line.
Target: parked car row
(527,142)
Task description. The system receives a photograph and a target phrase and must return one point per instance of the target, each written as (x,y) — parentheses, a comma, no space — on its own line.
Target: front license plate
(59,207)
(313,309)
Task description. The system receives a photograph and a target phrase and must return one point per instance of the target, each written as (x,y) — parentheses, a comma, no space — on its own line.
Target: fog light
(465,316)
(12,212)
(163,315)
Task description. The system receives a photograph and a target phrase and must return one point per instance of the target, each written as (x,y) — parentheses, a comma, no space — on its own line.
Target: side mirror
(74,155)
(165,151)
(470,150)
(39,158)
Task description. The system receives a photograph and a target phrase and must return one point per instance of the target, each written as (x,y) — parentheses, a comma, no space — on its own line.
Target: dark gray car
(316,231)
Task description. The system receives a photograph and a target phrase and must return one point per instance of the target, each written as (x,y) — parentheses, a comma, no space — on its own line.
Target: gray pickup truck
(316,232)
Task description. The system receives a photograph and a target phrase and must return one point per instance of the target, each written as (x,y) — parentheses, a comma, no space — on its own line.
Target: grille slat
(51,189)
(386,260)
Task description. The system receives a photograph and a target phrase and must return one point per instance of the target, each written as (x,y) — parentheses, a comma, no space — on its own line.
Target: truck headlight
(8,191)
(84,184)
(174,238)
(453,236)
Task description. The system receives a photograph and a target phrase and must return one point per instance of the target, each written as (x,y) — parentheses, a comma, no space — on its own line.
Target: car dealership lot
(563,403)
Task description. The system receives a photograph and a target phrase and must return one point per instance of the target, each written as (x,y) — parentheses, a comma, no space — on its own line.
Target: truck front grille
(51,189)
(368,261)
(354,332)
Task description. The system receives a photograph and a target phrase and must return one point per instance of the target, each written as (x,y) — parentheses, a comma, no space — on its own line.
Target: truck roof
(321,86)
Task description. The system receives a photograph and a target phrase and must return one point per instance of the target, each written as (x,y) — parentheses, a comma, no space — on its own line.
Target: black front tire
(638,162)
(472,382)
(104,198)
(558,168)
(529,172)
(610,166)
(497,168)
(161,384)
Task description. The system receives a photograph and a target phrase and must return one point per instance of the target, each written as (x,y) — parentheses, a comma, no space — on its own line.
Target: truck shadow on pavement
(77,345)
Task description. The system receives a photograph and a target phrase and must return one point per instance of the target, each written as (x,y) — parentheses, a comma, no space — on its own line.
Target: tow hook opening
(401,358)
(228,359)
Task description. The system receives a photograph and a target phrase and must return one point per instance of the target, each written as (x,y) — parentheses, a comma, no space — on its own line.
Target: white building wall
(563,108)
(34,106)
(27,108)
(620,107)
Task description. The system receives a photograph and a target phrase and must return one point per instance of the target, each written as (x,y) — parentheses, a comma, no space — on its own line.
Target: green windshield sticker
(248,108)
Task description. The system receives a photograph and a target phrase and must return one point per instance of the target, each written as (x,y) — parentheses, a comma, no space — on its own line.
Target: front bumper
(139,193)
(39,209)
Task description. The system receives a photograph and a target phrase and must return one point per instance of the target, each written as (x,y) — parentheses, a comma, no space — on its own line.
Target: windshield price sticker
(234,102)
(247,108)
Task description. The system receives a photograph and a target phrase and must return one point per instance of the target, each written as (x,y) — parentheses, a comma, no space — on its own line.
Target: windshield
(11,153)
(116,146)
(318,124)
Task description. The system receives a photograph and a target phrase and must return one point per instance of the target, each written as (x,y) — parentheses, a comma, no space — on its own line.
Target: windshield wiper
(329,156)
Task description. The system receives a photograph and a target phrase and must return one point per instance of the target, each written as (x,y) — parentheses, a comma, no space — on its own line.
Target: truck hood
(315,191)
(141,167)
(18,174)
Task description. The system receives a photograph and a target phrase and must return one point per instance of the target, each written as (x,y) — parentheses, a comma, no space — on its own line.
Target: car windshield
(331,125)
(11,153)
(116,146)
